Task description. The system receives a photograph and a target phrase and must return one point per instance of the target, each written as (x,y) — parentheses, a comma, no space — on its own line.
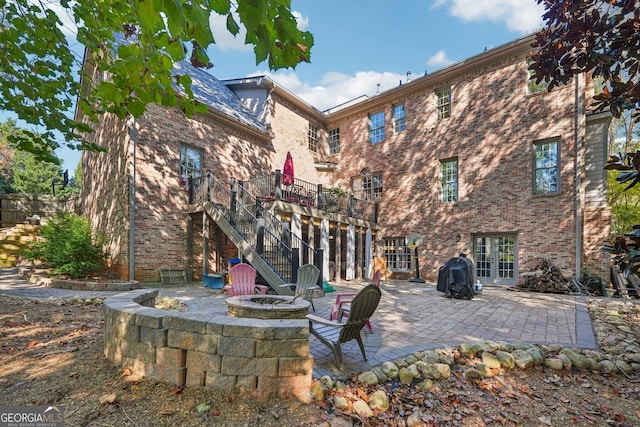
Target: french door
(495,259)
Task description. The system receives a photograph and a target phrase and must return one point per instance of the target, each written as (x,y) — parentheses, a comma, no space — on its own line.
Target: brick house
(473,158)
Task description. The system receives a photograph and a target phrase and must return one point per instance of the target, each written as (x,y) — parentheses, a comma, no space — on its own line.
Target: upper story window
(371,185)
(449,181)
(398,118)
(313,138)
(376,127)
(334,141)
(190,164)
(443,103)
(546,167)
(532,86)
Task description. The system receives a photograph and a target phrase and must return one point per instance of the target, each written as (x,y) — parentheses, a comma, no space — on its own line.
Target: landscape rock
(608,366)
(491,346)
(484,370)
(537,355)
(390,369)
(368,377)
(413,369)
(443,369)
(361,408)
(472,374)
(506,359)
(554,363)
(379,400)
(415,420)
(382,377)
(426,384)
(490,360)
(430,356)
(319,391)
(405,376)
(522,359)
(327,381)
(410,359)
(566,362)
(577,360)
(340,402)
(470,350)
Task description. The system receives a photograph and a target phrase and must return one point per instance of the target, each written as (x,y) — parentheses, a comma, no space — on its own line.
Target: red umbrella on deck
(287,170)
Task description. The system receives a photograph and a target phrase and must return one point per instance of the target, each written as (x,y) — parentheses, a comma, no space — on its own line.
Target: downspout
(579,100)
(132,193)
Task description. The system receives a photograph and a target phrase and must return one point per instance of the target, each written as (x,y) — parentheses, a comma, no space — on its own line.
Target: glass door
(495,259)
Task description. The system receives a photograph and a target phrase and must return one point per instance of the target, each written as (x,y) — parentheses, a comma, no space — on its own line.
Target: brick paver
(411,317)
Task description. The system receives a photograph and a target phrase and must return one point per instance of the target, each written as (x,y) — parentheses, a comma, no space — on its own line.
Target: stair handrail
(270,247)
(250,200)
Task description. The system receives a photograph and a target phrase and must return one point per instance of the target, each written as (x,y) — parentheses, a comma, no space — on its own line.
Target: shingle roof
(217,96)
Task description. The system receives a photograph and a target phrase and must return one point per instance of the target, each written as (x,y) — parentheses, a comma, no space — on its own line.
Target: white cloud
(226,41)
(439,60)
(302,22)
(336,88)
(523,16)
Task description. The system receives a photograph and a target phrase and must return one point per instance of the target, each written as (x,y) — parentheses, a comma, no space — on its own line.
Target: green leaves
(41,78)
(272,29)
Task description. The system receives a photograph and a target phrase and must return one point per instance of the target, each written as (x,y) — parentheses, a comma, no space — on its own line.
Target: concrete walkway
(411,317)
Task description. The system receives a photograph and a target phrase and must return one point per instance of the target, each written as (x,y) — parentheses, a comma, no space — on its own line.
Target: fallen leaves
(108,399)
(31,344)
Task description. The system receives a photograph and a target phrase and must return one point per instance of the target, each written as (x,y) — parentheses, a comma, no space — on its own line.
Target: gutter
(132,194)
(579,100)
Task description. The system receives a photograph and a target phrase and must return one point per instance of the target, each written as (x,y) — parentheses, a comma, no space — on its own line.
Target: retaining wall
(262,358)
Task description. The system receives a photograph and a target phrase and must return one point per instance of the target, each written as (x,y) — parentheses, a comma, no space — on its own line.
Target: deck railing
(278,186)
(273,242)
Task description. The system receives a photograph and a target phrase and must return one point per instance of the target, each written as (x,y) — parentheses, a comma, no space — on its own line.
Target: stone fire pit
(267,307)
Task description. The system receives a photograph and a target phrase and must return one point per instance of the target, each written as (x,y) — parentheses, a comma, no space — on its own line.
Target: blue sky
(362,43)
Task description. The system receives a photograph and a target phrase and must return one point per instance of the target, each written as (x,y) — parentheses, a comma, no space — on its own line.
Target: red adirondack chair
(341,306)
(243,281)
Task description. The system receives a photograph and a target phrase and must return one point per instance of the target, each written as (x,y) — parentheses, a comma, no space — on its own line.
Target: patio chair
(243,281)
(333,334)
(307,282)
(343,299)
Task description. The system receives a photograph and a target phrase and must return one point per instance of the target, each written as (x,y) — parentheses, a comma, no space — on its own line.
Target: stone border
(77,285)
(261,358)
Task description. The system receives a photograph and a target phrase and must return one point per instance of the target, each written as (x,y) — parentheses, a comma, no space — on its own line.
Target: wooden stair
(14,240)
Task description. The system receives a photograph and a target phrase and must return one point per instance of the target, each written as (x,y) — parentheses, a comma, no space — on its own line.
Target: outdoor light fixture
(413,241)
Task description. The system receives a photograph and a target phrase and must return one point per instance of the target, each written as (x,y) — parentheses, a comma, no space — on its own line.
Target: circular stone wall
(267,307)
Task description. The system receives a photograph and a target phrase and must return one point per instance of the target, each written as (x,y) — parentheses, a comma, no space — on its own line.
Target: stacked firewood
(546,278)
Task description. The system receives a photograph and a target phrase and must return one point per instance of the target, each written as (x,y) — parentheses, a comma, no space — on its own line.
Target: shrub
(69,246)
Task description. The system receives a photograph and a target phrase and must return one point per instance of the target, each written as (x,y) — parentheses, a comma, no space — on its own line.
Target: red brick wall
(161,218)
(290,127)
(105,189)
(492,129)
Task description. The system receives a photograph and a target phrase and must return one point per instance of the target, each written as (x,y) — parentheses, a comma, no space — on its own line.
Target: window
(313,138)
(371,185)
(190,164)
(449,181)
(376,127)
(397,254)
(545,178)
(532,86)
(443,103)
(398,118)
(334,141)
